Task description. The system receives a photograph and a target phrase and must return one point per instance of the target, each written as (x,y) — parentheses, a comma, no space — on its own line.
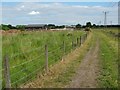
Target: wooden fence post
(77,41)
(84,38)
(64,47)
(7,72)
(86,35)
(63,50)
(80,41)
(46,58)
(72,45)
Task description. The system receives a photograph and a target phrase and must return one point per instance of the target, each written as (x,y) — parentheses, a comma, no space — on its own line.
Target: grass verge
(108,60)
(61,73)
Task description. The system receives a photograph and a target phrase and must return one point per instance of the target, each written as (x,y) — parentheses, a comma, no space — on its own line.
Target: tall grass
(28,48)
(0,61)
(109,61)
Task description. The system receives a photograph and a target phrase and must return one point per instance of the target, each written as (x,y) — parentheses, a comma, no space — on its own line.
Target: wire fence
(28,68)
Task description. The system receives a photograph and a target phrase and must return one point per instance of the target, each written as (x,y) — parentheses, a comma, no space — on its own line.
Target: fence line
(54,50)
(24,63)
(65,48)
(7,72)
(39,48)
(22,70)
(25,77)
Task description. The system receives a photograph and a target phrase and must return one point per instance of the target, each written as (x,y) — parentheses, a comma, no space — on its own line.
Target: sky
(59,13)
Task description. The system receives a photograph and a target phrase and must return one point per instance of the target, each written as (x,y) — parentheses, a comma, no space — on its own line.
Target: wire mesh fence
(27,67)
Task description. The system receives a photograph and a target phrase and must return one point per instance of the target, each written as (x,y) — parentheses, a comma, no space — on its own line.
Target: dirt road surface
(87,73)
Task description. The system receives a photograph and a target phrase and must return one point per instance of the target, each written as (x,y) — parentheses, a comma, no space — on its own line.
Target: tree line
(8,27)
(53,26)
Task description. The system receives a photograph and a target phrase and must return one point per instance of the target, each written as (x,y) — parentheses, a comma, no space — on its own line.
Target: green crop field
(26,52)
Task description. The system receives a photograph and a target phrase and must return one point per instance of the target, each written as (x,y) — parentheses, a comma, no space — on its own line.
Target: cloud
(34,13)
(22,6)
(57,13)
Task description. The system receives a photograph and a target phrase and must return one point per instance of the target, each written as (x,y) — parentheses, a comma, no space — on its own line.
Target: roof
(36,25)
(71,26)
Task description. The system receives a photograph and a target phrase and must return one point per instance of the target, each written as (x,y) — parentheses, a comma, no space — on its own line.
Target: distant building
(72,27)
(36,27)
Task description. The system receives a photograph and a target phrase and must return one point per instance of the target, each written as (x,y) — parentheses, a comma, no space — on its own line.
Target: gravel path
(86,76)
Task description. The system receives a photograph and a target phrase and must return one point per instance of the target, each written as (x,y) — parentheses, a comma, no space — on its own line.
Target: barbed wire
(12,56)
(30,61)
(68,45)
(26,62)
(24,77)
(54,50)
(23,70)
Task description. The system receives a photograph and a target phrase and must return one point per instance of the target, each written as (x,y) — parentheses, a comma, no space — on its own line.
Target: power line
(113,4)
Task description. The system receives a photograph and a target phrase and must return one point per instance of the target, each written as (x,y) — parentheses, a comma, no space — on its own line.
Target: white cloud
(22,6)
(57,13)
(78,6)
(34,13)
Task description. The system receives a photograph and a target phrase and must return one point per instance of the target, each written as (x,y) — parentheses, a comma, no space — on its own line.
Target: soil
(54,71)
(87,74)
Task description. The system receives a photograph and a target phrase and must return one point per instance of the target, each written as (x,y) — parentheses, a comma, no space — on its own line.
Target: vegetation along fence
(21,73)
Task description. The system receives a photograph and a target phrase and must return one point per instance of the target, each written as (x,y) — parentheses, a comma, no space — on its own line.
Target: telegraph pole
(105,18)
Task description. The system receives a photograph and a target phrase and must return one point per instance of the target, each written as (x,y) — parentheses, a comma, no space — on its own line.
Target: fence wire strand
(22,70)
(52,58)
(39,48)
(25,77)
(26,62)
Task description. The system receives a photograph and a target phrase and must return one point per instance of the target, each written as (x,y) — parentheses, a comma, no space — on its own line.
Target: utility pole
(105,17)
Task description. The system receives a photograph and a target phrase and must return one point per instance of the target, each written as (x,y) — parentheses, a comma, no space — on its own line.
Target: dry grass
(59,69)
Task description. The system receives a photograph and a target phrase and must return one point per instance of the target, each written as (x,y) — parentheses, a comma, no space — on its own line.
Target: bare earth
(87,73)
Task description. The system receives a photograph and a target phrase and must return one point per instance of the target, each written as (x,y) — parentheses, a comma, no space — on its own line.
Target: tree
(78,26)
(51,26)
(10,26)
(4,27)
(88,24)
(21,27)
(94,25)
(0,27)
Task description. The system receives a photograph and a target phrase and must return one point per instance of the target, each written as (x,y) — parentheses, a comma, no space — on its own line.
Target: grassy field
(108,59)
(0,61)
(62,73)
(26,52)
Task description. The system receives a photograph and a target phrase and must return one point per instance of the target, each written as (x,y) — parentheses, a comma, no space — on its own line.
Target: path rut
(86,75)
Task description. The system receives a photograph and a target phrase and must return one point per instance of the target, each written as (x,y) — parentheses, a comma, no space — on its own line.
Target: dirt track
(88,71)
(85,77)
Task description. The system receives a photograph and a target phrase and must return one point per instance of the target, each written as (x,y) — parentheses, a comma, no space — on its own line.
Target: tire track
(86,76)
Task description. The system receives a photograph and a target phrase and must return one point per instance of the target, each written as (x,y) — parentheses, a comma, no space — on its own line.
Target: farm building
(72,27)
(36,26)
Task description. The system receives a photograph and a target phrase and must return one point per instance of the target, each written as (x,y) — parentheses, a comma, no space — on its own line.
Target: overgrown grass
(0,61)
(66,76)
(108,60)
(29,47)
(62,76)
